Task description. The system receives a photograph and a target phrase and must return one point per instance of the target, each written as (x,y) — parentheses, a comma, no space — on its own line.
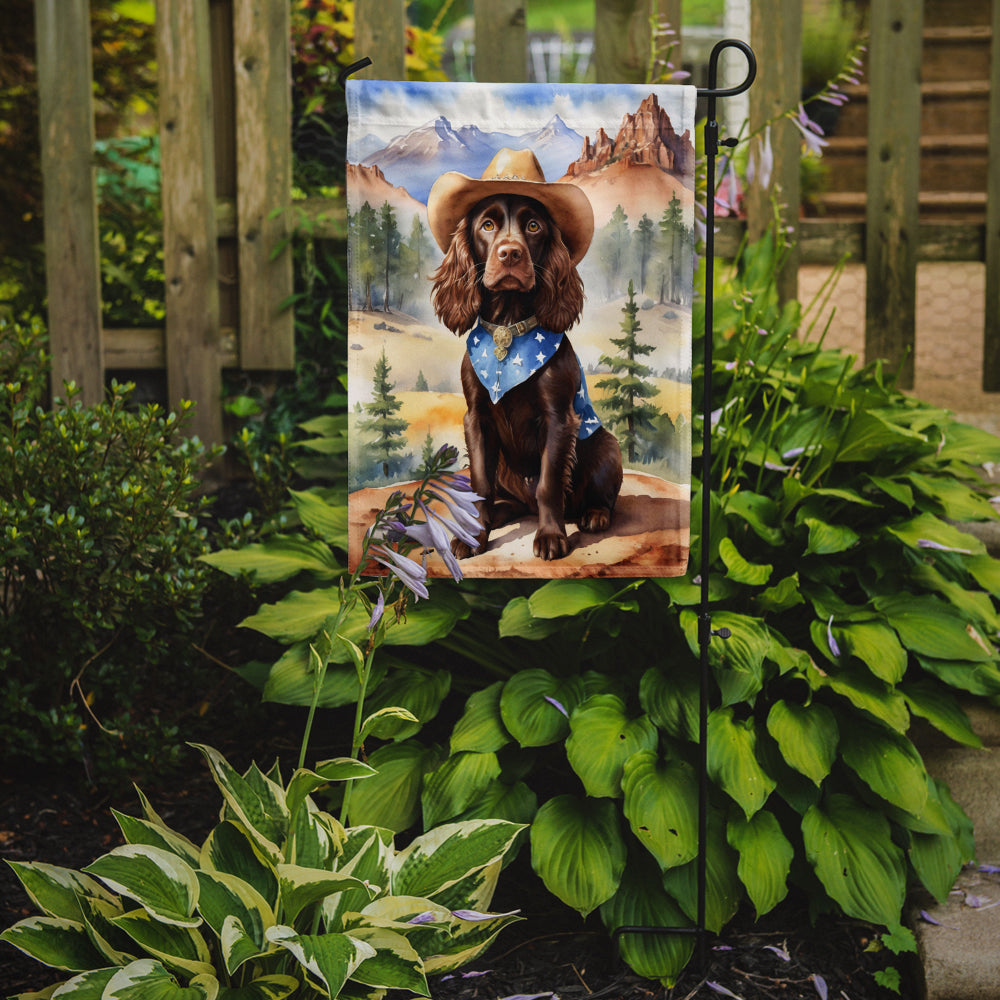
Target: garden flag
(521,279)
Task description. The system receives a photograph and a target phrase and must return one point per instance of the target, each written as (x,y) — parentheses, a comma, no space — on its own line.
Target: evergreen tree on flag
(383,423)
(627,389)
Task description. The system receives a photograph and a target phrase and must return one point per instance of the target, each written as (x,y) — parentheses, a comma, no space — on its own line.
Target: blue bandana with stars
(525,356)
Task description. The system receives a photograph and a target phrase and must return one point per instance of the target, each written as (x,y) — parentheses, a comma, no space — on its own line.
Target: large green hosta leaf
(456,784)
(765,858)
(578,851)
(415,689)
(723,889)
(732,760)
(481,727)
(932,628)
(641,901)
(876,646)
(278,558)
(602,738)
(391,798)
(850,848)
(535,706)
(807,736)
(738,661)
(888,763)
(941,709)
(661,805)
(671,700)
(560,598)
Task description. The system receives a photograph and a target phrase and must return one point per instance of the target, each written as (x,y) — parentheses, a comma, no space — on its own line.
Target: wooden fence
(226,161)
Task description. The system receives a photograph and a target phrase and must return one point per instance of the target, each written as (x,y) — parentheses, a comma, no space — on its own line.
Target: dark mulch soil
(550,952)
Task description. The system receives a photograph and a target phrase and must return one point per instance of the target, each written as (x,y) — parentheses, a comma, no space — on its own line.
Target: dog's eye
(534,226)
(489,225)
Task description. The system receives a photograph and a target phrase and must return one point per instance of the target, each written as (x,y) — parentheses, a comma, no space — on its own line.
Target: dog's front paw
(596,519)
(552,544)
(462,550)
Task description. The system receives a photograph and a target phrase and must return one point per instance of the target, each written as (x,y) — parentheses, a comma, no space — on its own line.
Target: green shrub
(279,900)
(101,584)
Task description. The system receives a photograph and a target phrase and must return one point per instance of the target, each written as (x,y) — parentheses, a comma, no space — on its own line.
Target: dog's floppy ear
(456,296)
(559,293)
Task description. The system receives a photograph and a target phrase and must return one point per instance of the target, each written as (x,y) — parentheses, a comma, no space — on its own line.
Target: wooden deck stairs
(955,89)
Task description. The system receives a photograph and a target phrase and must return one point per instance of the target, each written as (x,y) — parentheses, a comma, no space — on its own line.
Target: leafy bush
(279,899)
(854,602)
(99,539)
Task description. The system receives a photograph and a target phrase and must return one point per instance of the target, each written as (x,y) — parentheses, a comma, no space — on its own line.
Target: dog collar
(501,371)
(503,334)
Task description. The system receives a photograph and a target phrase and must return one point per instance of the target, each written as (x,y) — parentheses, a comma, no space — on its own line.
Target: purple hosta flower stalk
(411,574)
(377,612)
(831,642)
(812,134)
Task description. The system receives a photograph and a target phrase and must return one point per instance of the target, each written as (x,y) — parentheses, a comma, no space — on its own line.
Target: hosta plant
(279,900)
(855,604)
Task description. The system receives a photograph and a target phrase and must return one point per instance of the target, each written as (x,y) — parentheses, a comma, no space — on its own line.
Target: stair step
(956,53)
(944,102)
(947,162)
(953,205)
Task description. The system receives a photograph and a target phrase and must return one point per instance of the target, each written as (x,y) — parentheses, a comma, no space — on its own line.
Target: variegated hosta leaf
(300,887)
(86,986)
(116,946)
(304,782)
(850,847)
(535,706)
(315,838)
(602,737)
(329,959)
(141,831)
(367,853)
(807,736)
(54,941)
(441,857)
(723,889)
(765,858)
(578,851)
(456,784)
(56,891)
(256,801)
(177,947)
(481,727)
(468,939)
(661,805)
(230,849)
(642,902)
(147,979)
(274,987)
(395,964)
(158,880)
(475,891)
(224,898)
(732,760)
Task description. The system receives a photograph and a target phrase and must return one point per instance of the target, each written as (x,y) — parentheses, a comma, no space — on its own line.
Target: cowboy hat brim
(454,194)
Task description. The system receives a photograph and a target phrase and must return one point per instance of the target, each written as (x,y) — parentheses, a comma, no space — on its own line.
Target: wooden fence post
(501,37)
(261,56)
(190,251)
(380,34)
(776,35)
(892,213)
(991,332)
(621,40)
(72,255)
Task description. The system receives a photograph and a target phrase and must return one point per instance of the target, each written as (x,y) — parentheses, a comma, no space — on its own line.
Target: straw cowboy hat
(511,171)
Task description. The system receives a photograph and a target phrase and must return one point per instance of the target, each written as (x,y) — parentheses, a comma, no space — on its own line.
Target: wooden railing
(226,160)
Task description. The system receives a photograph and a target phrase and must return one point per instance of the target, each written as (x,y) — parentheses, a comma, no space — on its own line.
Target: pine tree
(673,236)
(421,385)
(627,388)
(644,238)
(387,428)
(614,243)
(390,247)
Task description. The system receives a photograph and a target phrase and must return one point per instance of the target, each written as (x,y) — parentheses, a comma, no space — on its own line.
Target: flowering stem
(357,740)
